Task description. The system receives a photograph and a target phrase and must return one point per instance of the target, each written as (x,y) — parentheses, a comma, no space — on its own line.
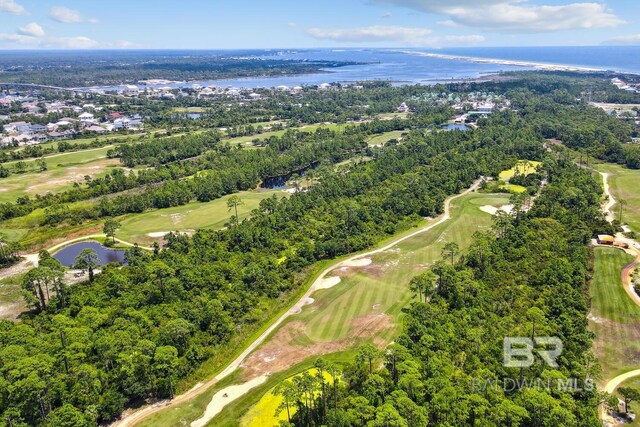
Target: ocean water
(400,67)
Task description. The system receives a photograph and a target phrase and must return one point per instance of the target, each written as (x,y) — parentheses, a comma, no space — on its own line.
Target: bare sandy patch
(328,282)
(226,396)
(493,210)
(281,351)
(360,262)
(157,234)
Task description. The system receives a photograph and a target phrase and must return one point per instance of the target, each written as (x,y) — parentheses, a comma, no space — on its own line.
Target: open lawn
(614,317)
(187,218)
(623,184)
(62,171)
(384,137)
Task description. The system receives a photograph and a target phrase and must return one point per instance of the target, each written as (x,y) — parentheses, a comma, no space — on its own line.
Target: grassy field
(189,217)
(247,140)
(382,287)
(384,137)
(614,317)
(623,185)
(523,167)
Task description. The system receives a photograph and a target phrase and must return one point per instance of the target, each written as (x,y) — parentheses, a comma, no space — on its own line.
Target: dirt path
(217,405)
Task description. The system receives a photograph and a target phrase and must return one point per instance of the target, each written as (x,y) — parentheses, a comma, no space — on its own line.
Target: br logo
(518,352)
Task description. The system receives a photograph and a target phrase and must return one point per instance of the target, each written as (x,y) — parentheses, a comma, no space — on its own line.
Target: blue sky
(223,24)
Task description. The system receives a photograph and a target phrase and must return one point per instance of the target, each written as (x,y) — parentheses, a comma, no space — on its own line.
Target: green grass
(384,137)
(189,217)
(623,184)
(62,171)
(384,284)
(614,317)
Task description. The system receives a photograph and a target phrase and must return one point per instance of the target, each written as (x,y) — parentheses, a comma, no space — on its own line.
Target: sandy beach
(527,64)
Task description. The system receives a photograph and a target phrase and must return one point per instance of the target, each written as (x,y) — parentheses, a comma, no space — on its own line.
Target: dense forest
(116,68)
(525,277)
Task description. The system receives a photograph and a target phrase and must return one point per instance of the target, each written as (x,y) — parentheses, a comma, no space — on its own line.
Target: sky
(246,24)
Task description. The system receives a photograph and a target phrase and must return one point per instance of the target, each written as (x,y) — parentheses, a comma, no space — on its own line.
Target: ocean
(406,66)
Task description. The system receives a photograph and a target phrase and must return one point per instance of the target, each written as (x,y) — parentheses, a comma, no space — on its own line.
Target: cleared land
(623,184)
(145,228)
(614,317)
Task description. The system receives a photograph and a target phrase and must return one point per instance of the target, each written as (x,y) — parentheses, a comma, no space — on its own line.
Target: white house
(86,117)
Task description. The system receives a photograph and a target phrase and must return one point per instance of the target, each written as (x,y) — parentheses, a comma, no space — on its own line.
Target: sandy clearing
(360,262)
(226,396)
(158,234)
(492,210)
(329,282)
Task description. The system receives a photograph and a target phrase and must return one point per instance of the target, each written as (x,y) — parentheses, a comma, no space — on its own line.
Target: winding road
(233,392)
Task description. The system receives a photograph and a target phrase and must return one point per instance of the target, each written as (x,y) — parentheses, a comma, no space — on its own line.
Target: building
(86,117)
(605,239)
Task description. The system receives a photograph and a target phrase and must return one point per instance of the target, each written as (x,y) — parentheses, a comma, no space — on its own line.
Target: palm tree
(233,203)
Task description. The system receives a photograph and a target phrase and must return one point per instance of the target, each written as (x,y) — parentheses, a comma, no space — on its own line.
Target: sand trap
(328,282)
(492,210)
(158,234)
(219,401)
(360,262)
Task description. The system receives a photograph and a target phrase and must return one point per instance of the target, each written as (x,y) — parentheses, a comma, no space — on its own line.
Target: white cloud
(32,30)
(516,16)
(374,34)
(24,40)
(393,35)
(448,23)
(12,7)
(68,16)
(628,40)
(387,15)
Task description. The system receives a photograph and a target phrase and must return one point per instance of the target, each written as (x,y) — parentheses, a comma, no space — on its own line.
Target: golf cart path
(217,405)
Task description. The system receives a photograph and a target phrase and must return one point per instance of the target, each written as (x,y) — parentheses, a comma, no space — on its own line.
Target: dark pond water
(279,182)
(67,255)
(455,127)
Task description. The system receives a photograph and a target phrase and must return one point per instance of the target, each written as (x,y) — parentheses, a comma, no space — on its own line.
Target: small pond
(455,127)
(67,255)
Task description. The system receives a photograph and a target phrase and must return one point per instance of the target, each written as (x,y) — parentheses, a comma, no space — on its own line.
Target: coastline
(514,63)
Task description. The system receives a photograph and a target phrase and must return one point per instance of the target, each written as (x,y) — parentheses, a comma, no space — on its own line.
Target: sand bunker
(158,234)
(226,396)
(492,210)
(328,282)
(360,262)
